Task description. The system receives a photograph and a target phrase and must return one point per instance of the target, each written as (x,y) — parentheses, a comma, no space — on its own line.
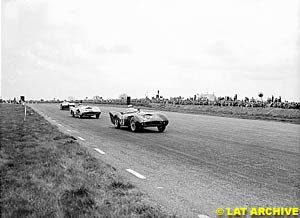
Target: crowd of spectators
(223,101)
(247,102)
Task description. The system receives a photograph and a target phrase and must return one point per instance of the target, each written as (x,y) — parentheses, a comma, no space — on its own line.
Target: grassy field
(258,113)
(45,173)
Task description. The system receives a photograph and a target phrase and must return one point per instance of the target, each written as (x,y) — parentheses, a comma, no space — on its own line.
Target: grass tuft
(64,136)
(68,142)
(121,185)
(77,202)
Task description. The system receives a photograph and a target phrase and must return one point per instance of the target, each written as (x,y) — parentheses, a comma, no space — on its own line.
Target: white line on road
(59,124)
(97,149)
(69,130)
(136,174)
(54,120)
(203,216)
(81,138)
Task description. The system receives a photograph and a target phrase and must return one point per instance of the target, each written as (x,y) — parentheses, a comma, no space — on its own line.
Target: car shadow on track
(140,131)
(84,118)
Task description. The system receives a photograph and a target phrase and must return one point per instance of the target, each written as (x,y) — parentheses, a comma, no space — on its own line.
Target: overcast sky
(61,48)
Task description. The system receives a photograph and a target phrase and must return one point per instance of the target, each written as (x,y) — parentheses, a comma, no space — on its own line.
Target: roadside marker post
(25,111)
(23,103)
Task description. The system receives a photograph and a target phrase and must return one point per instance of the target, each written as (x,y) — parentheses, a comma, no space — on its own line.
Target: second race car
(85,111)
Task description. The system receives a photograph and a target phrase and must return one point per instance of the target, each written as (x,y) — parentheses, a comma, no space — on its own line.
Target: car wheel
(133,126)
(77,113)
(97,116)
(161,128)
(117,123)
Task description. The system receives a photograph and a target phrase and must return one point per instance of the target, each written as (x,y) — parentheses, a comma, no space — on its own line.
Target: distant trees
(123,96)
(97,98)
(235,97)
(269,100)
(260,94)
(71,98)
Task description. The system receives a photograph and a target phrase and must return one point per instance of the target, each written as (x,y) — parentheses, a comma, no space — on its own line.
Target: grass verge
(258,113)
(45,173)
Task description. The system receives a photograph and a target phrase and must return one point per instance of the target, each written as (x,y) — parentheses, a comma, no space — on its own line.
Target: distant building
(210,97)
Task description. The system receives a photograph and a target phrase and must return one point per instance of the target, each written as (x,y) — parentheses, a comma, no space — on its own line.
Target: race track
(201,162)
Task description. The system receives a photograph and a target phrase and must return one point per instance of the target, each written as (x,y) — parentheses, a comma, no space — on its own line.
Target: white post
(25,112)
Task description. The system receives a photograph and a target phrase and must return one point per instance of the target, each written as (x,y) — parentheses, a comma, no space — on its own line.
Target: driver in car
(131,109)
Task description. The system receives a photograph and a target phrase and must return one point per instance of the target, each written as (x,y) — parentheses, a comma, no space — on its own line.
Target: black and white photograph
(150,109)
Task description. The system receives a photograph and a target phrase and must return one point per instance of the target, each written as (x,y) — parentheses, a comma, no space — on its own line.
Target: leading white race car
(85,111)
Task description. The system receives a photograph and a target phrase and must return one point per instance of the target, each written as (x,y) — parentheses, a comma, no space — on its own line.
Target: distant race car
(85,111)
(66,105)
(135,119)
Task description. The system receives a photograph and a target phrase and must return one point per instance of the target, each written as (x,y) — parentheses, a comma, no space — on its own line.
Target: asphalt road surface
(200,163)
